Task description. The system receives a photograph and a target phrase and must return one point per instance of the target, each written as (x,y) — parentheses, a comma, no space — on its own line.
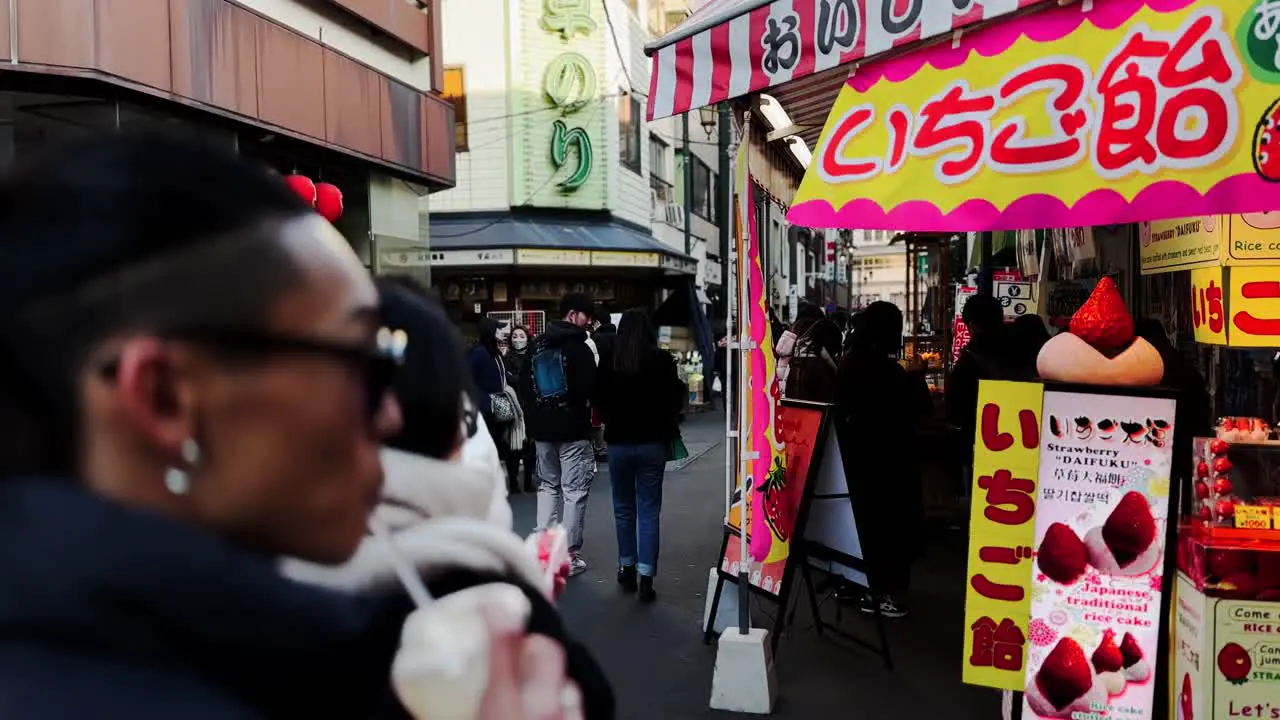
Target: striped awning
(729,48)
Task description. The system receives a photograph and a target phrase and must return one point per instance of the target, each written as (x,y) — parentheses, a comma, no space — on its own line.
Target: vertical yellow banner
(1255,306)
(1209,306)
(997,608)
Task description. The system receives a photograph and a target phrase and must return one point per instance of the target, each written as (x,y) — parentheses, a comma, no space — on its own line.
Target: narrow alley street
(655,656)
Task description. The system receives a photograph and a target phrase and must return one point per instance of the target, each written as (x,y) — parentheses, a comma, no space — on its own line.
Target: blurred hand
(467,657)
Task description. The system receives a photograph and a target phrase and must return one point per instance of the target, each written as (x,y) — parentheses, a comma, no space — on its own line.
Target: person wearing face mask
(166,440)
(555,388)
(515,361)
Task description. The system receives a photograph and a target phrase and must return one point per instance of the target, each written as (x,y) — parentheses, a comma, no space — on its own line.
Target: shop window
(455,92)
(704,195)
(629,132)
(659,180)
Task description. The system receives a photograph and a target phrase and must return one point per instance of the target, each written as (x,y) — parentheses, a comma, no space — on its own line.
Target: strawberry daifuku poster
(1099,547)
(778,497)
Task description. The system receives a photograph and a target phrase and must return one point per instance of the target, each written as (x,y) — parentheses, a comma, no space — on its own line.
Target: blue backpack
(550,381)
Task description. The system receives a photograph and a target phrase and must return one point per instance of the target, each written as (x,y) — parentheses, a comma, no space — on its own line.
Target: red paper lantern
(302,185)
(328,201)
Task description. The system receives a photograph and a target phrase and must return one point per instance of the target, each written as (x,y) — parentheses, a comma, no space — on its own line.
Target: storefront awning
(1078,115)
(511,239)
(729,48)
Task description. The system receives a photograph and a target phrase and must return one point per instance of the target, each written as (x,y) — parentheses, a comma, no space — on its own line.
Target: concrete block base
(744,679)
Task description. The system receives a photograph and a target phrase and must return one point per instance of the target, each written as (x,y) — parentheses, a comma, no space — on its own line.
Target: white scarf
(442,515)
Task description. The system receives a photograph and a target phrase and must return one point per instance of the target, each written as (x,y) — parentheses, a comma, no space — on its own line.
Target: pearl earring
(177,480)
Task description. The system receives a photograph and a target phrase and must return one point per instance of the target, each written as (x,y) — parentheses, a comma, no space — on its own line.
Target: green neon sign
(569,84)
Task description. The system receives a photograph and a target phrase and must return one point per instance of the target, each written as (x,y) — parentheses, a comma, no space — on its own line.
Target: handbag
(676,449)
(501,408)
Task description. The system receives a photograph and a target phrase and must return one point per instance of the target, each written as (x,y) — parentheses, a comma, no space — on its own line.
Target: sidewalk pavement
(660,668)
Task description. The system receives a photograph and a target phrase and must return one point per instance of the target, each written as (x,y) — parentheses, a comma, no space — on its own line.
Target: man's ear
(151,396)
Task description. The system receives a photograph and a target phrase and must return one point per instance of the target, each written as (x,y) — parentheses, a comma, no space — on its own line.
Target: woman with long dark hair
(521,341)
(640,396)
(496,398)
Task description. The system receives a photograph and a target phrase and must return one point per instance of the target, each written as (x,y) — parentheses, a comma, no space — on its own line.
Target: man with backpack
(555,387)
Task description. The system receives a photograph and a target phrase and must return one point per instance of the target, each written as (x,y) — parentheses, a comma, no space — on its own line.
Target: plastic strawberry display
(1234,663)
(779,510)
(1103,321)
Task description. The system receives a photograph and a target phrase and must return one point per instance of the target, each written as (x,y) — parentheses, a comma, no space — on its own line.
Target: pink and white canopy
(729,48)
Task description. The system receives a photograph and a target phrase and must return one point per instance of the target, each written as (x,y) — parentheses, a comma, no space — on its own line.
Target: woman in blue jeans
(640,396)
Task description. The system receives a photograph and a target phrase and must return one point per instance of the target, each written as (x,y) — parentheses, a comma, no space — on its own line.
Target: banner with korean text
(1088,114)
(997,607)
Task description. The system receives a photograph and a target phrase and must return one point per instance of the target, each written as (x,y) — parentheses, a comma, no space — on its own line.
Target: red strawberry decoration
(1225,508)
(1234,663)
(1219,447)
(1065,674)
(1221,465)
(1130,529)
(1266,145)
(1103,321)
(1107,658)
(779,510)
(1062,555)
(1222,486)
(1202,489)
(1202,470)
(1130,653)
(1185,699)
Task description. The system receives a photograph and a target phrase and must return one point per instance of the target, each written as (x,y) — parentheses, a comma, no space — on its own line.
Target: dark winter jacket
(643,407)
(567,418)
(488,376)
(112,612)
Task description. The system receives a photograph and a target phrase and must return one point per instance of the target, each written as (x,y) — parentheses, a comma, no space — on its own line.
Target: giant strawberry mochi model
(1100,348)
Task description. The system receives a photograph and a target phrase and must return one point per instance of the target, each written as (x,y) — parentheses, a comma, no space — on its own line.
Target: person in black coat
(520,342)
(640,395)
(879,408)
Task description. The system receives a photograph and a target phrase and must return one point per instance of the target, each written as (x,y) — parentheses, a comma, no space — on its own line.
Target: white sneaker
(577,566)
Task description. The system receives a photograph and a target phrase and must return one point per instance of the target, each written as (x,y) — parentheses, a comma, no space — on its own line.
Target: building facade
(561,184)
(342,91)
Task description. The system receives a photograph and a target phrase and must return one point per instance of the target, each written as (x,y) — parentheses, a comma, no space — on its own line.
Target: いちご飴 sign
(1127,111)
(997,608)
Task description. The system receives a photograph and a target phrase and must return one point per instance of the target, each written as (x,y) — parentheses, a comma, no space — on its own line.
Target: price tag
(1254,517)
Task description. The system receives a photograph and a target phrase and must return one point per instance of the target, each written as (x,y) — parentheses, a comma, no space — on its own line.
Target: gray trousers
(565,471)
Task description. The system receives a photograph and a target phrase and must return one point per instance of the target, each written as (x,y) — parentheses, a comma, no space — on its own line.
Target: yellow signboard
(1170,245)
(1006,460)
(1255,238)
(1254,307)
(1209,305)
(617,258)
(1231,240)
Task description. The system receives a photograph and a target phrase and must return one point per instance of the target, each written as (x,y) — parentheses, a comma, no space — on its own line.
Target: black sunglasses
(376,366)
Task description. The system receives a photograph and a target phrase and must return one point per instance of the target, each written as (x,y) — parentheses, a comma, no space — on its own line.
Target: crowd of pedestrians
(581,393)
(882,405)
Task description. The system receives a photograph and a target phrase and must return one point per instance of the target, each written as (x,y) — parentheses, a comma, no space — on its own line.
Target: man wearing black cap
(555,389)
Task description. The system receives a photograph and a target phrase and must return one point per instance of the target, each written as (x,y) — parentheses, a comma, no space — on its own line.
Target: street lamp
(707,116)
